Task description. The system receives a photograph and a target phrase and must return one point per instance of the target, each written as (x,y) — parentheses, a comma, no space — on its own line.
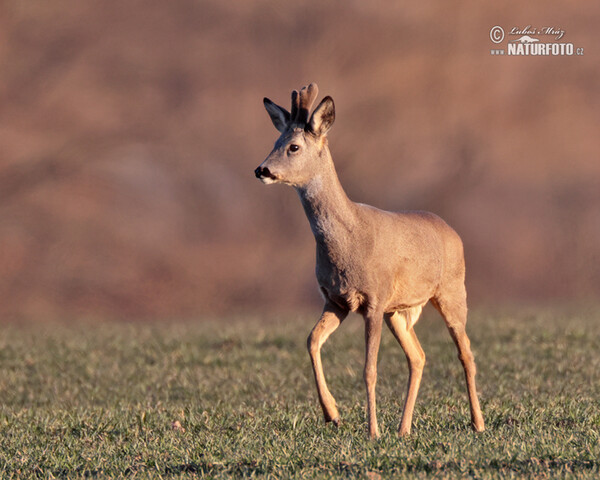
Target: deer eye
(294,147)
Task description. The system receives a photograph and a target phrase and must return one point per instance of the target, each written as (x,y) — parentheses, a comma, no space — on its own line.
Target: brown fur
(381,264)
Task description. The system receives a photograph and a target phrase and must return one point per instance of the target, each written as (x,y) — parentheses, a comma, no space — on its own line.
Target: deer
(382,265)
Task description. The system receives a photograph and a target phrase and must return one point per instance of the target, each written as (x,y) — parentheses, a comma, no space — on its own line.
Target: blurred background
(129,132)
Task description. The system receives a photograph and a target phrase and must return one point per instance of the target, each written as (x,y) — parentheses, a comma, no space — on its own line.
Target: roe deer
(380,264)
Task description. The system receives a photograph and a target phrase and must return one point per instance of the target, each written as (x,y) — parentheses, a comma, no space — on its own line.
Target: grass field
(236,398)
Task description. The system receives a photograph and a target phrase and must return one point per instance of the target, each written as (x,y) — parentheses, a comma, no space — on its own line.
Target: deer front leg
(373,324)
(331,318)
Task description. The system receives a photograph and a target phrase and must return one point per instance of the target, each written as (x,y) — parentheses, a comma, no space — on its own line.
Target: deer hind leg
(401,324)
(455,316)
(330,320)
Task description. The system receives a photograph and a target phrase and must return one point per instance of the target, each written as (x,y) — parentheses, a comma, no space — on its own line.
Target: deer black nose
(262,172)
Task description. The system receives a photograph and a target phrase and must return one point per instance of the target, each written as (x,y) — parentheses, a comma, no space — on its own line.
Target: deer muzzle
(264,174)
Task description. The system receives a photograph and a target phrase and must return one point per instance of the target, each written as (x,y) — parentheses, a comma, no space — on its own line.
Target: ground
(217,398)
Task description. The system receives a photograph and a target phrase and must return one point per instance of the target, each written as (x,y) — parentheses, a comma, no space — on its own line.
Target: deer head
(299,153)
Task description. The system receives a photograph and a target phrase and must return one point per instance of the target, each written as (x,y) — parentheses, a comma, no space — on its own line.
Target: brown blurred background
(129,132)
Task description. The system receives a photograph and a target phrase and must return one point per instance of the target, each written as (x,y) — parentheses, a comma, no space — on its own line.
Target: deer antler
(295,106)
(302,102)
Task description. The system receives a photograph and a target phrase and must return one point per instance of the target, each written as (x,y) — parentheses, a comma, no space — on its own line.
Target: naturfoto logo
(524,41)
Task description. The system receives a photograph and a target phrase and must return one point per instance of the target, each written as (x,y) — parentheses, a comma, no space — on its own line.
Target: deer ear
(279,116)
(322,118)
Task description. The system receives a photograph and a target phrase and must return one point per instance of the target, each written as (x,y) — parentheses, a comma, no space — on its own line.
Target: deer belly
(351,299)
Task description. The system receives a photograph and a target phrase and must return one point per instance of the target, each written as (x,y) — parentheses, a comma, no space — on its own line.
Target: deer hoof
(478,427)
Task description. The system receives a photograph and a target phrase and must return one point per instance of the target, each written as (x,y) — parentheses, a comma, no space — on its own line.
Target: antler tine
(295,106)
(307,95)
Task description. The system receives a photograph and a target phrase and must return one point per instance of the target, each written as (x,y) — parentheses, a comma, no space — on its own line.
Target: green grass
(103,400)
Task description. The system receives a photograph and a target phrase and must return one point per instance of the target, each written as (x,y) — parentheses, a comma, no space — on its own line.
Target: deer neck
(329,210)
